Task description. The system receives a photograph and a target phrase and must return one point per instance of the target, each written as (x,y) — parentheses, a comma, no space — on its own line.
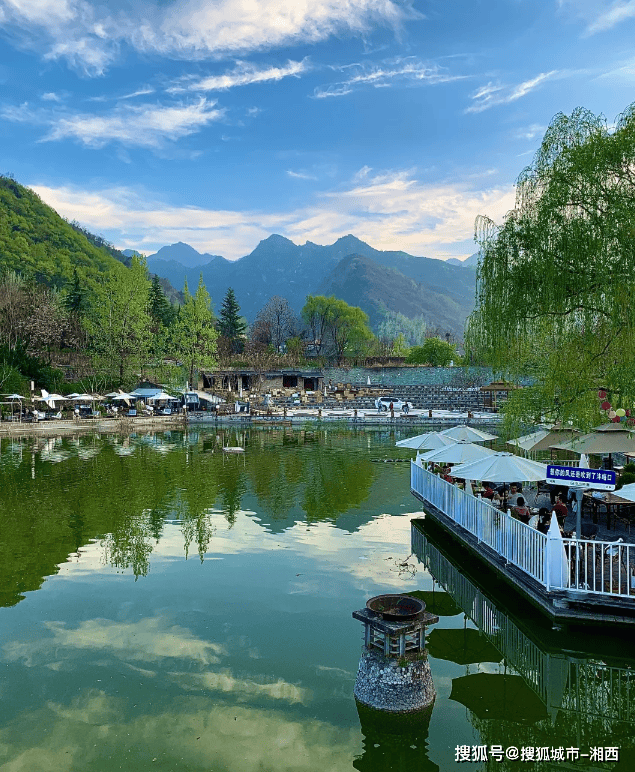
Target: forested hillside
(37,243)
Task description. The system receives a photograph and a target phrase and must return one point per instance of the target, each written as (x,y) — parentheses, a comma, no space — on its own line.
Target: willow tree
(556,282)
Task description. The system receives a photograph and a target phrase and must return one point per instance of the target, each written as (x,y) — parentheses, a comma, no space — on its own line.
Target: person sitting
(513,495)
(446,474)
(544,518)
(560,508)
(487,492)
(521,511)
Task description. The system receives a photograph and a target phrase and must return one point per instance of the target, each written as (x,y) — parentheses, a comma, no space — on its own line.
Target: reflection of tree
(232,486)
(129,545)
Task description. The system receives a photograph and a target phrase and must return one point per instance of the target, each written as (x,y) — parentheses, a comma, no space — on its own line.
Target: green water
(166,606)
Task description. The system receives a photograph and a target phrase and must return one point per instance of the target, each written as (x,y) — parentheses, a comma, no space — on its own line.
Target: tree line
(123,327)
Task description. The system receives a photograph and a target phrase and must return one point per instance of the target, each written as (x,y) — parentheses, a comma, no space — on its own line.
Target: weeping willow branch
(556,281)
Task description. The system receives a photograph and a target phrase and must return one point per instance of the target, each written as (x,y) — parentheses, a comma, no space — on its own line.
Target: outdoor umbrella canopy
(468,433)
(627,492)
(458,453)
(429,441)
(543,439)
(498,696)
(13,396)
(462,645)
(502,468)
(162,395)
(608,438)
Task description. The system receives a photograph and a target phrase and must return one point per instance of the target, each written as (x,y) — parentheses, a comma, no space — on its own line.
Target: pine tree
(75,300)
(230,324)
(159,308)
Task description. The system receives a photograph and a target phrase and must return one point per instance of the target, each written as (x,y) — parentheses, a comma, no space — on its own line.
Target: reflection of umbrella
(502,468)
(437,602)
(458,453)
(428,441)
(609,438)
(500,697)
(468,433)
(465,646)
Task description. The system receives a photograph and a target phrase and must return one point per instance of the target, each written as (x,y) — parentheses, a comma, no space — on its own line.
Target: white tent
(457,453)
(467,433)
(428,441)
(627,492)
(502,468)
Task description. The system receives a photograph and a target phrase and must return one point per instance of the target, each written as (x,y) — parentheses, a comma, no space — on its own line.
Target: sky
(220,122)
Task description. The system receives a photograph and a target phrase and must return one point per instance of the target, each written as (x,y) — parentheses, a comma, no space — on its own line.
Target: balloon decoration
(621,415)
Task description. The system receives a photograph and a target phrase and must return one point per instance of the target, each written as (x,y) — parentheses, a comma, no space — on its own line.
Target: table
(611,501)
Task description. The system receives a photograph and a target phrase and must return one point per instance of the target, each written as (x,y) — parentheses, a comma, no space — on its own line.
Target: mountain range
(382,283)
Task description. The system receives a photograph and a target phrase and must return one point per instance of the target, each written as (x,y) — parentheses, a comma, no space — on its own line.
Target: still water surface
(165,606)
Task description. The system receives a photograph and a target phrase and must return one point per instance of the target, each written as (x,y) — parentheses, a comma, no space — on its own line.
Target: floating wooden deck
(568,579)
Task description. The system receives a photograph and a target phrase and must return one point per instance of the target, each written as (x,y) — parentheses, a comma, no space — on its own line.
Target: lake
(168,606)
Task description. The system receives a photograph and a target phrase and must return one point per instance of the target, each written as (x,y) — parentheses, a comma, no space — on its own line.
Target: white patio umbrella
(457,453)
(162,395)
(50,399)
(83,398)
(13,396)
(428,441)
(627,492)
(469,433)
(502,468)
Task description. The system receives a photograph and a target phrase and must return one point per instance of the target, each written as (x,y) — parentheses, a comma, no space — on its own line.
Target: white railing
(516,542)
(601,567)
(584,686)
(584,566)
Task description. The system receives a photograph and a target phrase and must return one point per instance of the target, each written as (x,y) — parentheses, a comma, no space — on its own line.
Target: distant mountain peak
(350,242)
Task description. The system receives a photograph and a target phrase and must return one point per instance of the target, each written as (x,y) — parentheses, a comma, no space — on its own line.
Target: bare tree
(275,324)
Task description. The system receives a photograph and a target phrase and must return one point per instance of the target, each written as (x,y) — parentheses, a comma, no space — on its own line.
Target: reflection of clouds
(148,639)
(324,547)
(193,734)
(241,688)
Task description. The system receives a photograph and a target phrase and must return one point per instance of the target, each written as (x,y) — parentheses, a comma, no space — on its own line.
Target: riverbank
(125,425)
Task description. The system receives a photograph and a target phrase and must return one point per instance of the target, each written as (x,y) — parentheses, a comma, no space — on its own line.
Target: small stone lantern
(394,674)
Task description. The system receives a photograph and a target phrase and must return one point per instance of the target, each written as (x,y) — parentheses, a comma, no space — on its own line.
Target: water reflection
(61,493)
(555,687)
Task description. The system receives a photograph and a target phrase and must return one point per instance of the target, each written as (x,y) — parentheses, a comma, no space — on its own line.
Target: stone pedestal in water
(394,673)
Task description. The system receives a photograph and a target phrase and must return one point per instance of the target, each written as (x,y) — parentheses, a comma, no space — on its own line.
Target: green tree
(159,306)
(556,280)
(230,324)
(119,323)
(315,315)
(335,327)
(194,335)
(434,351)
(75,300)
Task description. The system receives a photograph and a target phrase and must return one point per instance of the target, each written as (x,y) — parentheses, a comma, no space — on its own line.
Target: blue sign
(601,479)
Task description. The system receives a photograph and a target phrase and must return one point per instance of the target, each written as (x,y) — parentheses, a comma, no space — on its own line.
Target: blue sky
(219,122)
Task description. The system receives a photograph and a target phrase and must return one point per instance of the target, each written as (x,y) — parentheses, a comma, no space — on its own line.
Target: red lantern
(616,419)
(602,394)
(605,405)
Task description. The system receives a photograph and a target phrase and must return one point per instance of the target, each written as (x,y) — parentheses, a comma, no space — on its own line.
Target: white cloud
(601,16)
(89,36)
(131,125)
(244,74)
(493,94)
(530,132)
(409,70)
(51,96)
(300,175)
(390,210)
